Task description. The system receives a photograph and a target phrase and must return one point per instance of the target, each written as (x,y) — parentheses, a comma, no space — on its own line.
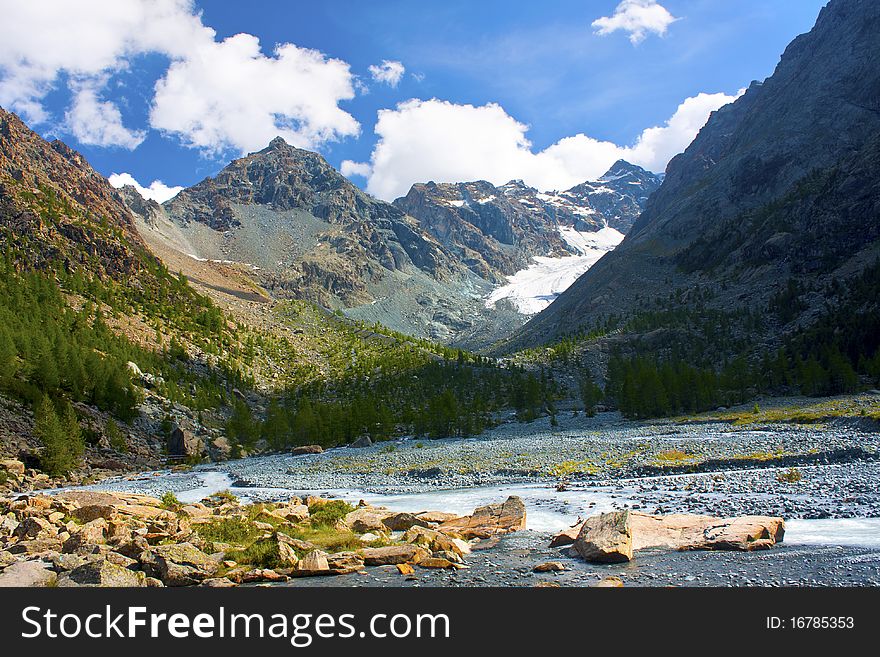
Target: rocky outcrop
(86,538)
(613,537)
(182,442)
(54,203)
(486,521)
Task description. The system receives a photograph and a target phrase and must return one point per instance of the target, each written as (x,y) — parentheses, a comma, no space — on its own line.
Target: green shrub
(327,514)
(170,502)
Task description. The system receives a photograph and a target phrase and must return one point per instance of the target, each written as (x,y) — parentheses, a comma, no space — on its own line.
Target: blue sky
(529,71)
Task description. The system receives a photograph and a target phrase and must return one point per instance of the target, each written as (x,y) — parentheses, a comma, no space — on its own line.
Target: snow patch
(534,288)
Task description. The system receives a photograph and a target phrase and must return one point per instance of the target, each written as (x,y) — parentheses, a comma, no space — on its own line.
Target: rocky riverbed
(820,477)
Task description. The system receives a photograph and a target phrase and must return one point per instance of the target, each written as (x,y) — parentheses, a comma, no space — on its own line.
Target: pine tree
(61,437)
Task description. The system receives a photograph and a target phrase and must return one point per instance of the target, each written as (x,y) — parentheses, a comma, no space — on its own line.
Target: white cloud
(214,95)
(389,72)
(228,95)
(157,191)
(445,142)
(351,168)
(97,122)
(637,17)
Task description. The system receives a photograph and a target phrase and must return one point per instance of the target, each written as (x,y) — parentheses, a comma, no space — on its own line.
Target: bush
(327,514)
(790,476)
(170,502)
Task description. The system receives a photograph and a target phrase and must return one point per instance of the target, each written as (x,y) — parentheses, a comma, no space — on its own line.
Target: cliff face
(55,210)
(781,184)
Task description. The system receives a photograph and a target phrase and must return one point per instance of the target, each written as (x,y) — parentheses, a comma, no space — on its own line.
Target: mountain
(497,231)
(306,232)
(619,196)
(56,212)
(770,218)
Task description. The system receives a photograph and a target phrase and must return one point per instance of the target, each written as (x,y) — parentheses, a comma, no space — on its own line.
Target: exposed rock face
(620,196)
(613,537)
(688,532)
(53,205)
(182,442)
(486,521)
(782,184)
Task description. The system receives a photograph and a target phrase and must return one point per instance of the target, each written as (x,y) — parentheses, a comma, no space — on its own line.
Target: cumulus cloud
(350,168)
(157,191)
(214,95)
(437,140)
(638,18)
(389,72)
(98,122)
(227,94)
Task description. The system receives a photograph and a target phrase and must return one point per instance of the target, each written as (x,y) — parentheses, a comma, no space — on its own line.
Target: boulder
(393,554)
(367,519)
(400,522)
(263,575)
(610,582)
(613,537)
(286,554)
(34,527)
(486,521)
(606,538)
(13,467)
(219,582)
(181,564)
(94,511)
(549,567)
(343,563)
(27,574)
(439,562)
(363,441)
(405,569)
(694,532)
(313,563)
(436,517)
(306,449)
(435,541)
(183,443)
(293,513)
(101,574)
(567,536)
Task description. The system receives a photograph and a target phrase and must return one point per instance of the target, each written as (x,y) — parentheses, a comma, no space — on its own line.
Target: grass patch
(327,514)
(812,413)
(263,554)
(673,457)
(571,467)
